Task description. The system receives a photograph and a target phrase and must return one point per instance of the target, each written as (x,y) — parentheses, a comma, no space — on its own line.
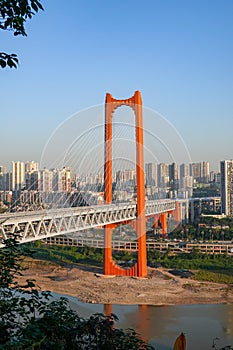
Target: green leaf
(34,6)
(2,63)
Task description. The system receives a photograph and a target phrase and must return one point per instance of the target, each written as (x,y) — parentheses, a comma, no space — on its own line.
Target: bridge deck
(30,226)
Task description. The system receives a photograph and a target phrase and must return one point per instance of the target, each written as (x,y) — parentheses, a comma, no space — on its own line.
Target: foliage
(225,221)
(30,319)
(16,308)
(215,268)
(78,255)
(68,255)
(213,276)
(216,229)
(13,15)
(214,346)
(124,255)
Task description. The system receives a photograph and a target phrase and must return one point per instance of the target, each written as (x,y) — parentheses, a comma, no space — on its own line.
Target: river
(162,324)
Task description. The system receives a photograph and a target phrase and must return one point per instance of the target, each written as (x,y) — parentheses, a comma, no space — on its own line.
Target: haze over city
(178,54)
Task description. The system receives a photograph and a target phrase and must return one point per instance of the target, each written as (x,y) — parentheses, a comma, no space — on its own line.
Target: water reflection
(162,324)
(107,309)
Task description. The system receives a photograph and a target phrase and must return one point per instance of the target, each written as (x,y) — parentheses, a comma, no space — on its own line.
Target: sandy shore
(160,288)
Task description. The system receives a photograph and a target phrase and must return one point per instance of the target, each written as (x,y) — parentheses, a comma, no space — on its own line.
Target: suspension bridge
(36,225)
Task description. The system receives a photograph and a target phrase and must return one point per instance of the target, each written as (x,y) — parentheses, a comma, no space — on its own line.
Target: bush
(30,319)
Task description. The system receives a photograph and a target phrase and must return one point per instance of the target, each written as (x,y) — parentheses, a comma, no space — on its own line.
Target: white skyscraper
(18,176)
(46,180)
(226,168)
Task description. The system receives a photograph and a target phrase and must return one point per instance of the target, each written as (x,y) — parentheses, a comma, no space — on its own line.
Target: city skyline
(8,167)
(178,54)
(28,187)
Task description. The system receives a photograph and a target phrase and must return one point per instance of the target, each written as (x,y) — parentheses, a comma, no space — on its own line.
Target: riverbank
(160,288)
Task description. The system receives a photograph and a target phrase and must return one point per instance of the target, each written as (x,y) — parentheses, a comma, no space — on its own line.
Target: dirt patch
(160,288)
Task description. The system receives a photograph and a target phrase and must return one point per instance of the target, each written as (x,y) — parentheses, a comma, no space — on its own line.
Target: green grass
(213,276)
(194,260)
(77,255)
(69,255)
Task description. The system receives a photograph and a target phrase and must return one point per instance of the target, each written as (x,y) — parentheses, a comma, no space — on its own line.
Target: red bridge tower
(110,267)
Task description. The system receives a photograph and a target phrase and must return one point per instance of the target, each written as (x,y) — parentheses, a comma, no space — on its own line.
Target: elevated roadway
(35,225)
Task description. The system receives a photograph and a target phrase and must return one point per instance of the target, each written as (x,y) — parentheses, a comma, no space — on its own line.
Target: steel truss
(31,226)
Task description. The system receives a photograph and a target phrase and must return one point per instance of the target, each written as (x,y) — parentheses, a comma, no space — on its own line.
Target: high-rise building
(18,176)
(123,176)
(31,166)
(163,175)
(184,170)
(61,180)
(32,176)
(226,168)
(196,171)
(174,171)
(46,180)
(186,180)
(129,175)
(201,171)
(8,181)
(151,174)
(186,184)
(205,172)
(65,180)
(32,180)
(174,176)
(2,178)
(2,170)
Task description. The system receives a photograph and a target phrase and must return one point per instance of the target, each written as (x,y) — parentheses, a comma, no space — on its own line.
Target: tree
(13,15)
(30,319)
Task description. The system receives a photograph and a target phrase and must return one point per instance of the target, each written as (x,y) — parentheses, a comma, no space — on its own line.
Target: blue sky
(179,54)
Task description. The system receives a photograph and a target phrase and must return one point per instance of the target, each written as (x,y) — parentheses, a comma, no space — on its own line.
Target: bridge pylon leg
(108,249)
(142,259)
(163,220)
(156,223)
